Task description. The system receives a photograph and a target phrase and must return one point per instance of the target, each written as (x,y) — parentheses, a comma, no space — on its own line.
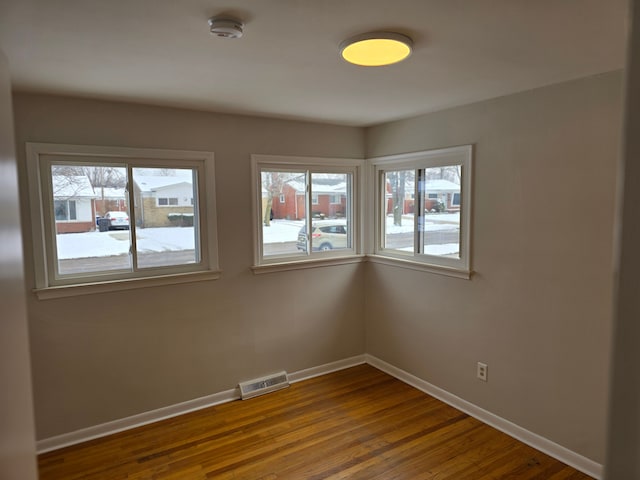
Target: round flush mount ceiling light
(226,27)
(376,49)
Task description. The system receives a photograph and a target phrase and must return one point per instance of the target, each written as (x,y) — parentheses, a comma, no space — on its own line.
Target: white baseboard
(115,426)
(559,452)
(534,440)
(326,368)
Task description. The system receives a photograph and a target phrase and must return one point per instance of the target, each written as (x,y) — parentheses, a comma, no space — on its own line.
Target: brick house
(109,200)
(163,200)
(328,199)
(438,192)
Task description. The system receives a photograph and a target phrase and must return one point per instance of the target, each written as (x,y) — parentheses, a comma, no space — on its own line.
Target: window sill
(128,284)
(303,264)
(421,267)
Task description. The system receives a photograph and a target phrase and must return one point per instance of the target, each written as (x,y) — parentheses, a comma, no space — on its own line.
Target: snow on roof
(148,183)
(108,192)
(72,186)
(320,187)
(435,186)
(441,186)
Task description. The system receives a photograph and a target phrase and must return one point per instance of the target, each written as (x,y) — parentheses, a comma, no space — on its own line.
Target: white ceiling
(287,64)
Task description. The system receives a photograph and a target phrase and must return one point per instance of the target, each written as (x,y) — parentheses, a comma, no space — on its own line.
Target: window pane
(72,209)
(331,222)
(399,210)
(60,210)
(441,228)
(82,194)
(166,219)
(283,221)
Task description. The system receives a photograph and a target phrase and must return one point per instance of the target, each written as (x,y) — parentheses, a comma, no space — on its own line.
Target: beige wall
(538,309)
(102,357)
(623,454)
(17,442)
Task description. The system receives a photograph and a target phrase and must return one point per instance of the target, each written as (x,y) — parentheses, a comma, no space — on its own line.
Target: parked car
(325,235)
(117,220)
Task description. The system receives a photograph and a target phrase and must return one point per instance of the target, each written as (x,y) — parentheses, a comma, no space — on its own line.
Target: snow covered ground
(287,231)
(102,244)
(116,242)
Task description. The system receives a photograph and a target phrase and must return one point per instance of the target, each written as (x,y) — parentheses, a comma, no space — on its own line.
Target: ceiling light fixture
(376,49)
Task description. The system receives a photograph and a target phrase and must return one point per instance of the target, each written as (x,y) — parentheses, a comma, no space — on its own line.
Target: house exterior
(440,195)
(109,200)
(328,199)
(73,203)
(163,200)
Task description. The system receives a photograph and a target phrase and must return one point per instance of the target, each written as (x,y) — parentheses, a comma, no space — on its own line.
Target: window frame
(40,157)
(311,165)
(456,267)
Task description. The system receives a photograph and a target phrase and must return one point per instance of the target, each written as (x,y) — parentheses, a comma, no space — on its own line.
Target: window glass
(283,222)
(399,205)
(440,231)
(330,214)
(81,195)
(71,205)
(165,236)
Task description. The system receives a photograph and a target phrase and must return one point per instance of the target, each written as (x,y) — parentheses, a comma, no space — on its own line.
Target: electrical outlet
(482,371)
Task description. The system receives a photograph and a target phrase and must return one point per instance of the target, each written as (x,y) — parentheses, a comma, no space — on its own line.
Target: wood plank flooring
(357,423)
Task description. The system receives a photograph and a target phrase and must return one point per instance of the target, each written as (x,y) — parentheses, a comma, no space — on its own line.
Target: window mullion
(418,209)
(307,209)
(133,243)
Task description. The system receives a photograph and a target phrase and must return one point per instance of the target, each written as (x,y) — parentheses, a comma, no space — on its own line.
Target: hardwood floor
(357,423)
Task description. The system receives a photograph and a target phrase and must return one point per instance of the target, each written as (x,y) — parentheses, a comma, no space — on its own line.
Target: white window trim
(314,165)
(462,155)
(43,253)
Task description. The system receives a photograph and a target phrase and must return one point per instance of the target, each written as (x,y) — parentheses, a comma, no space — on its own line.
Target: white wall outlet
(482,371)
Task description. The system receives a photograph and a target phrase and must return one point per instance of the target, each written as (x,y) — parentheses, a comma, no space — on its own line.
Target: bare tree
(398,180)
(111,177)
(452,173)
(67,181)
(273,185)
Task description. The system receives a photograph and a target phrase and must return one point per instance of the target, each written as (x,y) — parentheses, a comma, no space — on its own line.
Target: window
(422,212)
(282,198)
(64,210)
(320,222)
(164,202)
(103,222)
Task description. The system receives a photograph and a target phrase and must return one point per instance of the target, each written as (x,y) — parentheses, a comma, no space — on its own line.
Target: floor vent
(260,386)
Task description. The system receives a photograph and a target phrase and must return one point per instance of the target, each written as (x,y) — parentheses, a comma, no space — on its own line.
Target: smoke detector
(226,27)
